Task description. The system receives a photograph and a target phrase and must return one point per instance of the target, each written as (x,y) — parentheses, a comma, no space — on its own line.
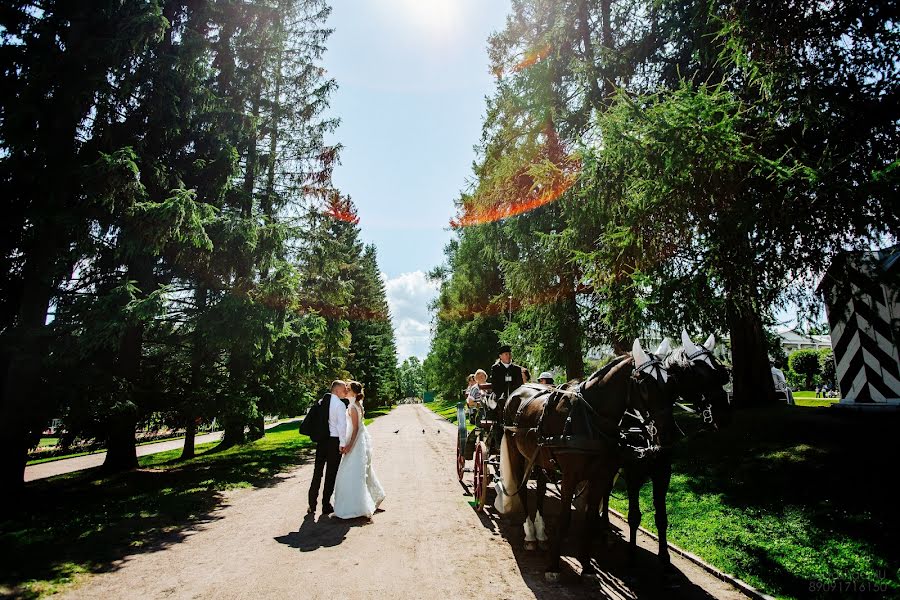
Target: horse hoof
(530,546)
(551,577)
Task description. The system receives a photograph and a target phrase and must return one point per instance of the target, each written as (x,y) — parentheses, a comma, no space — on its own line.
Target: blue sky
(413,75)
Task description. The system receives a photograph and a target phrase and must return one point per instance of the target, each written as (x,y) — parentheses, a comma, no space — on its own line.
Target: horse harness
(637,431)
(638,440)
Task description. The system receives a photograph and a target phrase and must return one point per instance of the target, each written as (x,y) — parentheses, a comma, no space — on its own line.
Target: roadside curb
(745,587)
(422,404)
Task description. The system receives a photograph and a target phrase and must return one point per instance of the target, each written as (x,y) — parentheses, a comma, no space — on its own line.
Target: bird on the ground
(423,431)
(397,431)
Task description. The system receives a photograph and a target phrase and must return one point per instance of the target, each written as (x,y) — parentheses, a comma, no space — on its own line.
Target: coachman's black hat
(504,348)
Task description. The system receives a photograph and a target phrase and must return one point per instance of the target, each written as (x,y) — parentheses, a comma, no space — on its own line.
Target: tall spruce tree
(160,215)
(373,352)
(57,58)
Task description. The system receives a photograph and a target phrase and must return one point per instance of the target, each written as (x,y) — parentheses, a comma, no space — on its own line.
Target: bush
(794,380)
(827,366)
(806,364)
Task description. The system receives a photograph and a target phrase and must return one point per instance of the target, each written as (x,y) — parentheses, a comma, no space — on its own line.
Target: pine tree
(373,352)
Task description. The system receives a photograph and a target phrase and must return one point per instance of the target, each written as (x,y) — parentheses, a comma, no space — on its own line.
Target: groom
(328,452)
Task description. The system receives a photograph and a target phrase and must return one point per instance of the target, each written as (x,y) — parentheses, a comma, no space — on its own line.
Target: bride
(357,491)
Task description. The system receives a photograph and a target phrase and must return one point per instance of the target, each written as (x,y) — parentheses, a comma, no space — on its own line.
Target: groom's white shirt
(337,419)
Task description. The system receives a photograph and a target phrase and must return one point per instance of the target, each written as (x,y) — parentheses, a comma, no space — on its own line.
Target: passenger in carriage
(470,400)
(546,378)
(475,394)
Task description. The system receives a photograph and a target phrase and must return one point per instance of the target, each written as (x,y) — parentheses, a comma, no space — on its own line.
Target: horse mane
(678,358)
(605,369)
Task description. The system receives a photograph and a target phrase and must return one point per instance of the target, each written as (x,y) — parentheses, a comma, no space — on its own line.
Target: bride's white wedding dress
(357,491)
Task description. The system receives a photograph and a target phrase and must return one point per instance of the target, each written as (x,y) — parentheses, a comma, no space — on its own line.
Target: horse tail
(510,479)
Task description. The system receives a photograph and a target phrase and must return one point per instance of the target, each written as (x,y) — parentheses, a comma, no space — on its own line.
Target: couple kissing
(344,453)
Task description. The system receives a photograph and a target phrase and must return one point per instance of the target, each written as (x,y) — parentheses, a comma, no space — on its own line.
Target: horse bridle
(703,353)
(653,367)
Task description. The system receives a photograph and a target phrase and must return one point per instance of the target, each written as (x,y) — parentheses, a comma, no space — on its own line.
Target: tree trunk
(258,427)
(233,433)
(190,435)
(751,372)
(121,454)
(596,96)
(197,353)
(572,340)
(17,411)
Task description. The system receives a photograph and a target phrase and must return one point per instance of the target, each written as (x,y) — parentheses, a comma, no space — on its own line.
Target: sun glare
(432,18)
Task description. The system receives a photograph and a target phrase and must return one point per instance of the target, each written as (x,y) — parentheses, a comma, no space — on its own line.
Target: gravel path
(426,543)
(89,461)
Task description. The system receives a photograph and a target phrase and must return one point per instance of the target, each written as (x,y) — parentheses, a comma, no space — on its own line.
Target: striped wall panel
(863,337)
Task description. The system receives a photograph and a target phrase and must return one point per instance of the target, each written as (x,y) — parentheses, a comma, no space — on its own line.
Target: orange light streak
(517,207)
(532,58)
(497,307)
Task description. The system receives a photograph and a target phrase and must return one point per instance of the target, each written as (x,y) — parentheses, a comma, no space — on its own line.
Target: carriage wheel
(482,476)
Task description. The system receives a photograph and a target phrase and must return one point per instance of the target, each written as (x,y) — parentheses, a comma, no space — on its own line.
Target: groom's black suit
(328,454)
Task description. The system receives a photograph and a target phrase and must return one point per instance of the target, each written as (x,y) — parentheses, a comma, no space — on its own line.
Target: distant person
(526,375)
(546,378)
(781,386)
(820,389)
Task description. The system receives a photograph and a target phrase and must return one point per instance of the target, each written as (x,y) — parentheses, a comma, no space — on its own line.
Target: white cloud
(408,296)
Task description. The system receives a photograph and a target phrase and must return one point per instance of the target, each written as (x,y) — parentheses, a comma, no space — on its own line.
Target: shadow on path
(322,533)
(645,579)
(94,522)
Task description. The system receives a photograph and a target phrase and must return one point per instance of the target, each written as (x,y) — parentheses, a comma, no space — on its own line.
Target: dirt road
(427,542)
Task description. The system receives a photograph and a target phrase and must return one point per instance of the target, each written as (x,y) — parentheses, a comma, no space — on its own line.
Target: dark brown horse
(573,431)
(695,376)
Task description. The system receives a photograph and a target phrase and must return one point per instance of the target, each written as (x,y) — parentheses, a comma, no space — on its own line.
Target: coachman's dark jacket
(505,380)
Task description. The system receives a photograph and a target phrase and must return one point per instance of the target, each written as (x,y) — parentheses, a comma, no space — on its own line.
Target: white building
(792,340)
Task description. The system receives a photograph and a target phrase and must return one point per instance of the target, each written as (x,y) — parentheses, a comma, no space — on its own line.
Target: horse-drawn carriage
(481,445)
(620,417)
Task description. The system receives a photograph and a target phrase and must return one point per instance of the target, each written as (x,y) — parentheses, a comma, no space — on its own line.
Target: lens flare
(551,295)
(532,57)
(541,175)
(517,207)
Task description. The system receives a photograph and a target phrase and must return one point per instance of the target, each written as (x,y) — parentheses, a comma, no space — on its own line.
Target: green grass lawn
(47,442)
(82,522)
(808,398)
(446,409)
(789,500)
(37,461)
